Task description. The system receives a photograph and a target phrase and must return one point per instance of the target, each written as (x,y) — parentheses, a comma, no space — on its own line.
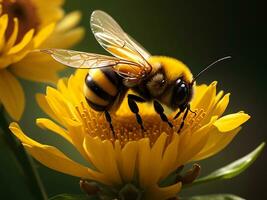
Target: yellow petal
(3,26)
(7,60)
(217,108)
(192,143)
(16,130)
(199,140)
(37,67)
(73,37)
(75,85)
(155,160)
(64,40)
(150,160)
(162,193)
(221,106)
(232,121)
(60,105)
(51,156)
(43,34)
(69,21)
(219,96)
(54,4)
(96,149)
(11,95)
(41,100)
(12,39)
(49,12)
(127,160)
(198,93)
(76,133)
(168,160)
(205,102)
(73,93)
(23,43)
(50,125)
(143,161)
(62,86)
(56,160)
(218,142)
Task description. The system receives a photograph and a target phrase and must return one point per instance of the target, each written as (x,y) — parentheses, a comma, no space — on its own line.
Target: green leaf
(72,197)
(234,168)
(215,197)
(31,176)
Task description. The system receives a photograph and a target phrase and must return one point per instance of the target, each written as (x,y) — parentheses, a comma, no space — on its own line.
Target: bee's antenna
(209,66)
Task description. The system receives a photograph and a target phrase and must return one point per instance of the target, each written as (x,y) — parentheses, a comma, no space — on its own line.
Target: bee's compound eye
(180,93)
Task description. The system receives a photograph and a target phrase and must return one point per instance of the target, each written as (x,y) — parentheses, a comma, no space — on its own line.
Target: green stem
(31,175)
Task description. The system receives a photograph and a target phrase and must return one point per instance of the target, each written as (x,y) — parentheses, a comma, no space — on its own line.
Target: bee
(158,79)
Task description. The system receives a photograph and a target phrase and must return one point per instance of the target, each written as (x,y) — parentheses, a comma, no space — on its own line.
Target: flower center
(127,129)
(25,12)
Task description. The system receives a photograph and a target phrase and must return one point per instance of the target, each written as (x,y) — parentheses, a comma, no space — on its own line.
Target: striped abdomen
(101,88)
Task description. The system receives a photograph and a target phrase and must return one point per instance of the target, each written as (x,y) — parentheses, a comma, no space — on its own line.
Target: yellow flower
(143,159)
(26,25)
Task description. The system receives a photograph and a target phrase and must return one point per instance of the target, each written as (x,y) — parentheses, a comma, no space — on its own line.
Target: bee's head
(182,93)
(180,81)
(177,79)
(183,90)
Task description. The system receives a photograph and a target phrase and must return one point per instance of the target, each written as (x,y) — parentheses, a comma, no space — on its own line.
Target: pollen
(126,128)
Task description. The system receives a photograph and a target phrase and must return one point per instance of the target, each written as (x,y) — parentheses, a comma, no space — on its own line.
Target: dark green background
(196,32)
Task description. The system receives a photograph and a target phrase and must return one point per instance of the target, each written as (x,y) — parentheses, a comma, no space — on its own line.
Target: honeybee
(157,79)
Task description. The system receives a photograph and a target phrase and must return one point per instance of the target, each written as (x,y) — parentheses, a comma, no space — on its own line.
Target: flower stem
(26,163)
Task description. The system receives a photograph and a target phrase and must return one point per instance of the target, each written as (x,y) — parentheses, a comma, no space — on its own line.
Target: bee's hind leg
(108,118)
(132,99)
(160,110)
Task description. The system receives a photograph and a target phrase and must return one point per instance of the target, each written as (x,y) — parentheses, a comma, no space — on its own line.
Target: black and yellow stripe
(101,88)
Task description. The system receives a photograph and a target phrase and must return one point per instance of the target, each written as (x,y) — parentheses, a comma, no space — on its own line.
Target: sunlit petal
(25,41)
(232,121)
(51,156)
(37,67)
(216,143)
(11,94)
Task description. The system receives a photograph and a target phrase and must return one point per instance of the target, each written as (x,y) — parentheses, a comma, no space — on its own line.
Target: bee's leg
(108,118)
(160,110)
(136,98)
(181,110)
(195,113)
(132,99)
(187,108)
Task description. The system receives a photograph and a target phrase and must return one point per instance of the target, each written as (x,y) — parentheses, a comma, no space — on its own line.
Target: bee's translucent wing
(77,59)
(112,38)
(83,60)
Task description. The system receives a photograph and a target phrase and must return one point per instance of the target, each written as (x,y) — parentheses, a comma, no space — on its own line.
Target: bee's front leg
(160,110)
(181,110)
(187,108)
(132,99)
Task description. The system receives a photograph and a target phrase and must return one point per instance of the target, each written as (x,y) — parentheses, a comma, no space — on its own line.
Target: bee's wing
(112,38)
(83,60)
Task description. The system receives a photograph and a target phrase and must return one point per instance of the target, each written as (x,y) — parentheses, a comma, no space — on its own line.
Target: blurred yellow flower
(143,159)
(26,25)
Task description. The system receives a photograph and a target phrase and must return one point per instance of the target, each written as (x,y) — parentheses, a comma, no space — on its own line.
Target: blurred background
(196,32)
